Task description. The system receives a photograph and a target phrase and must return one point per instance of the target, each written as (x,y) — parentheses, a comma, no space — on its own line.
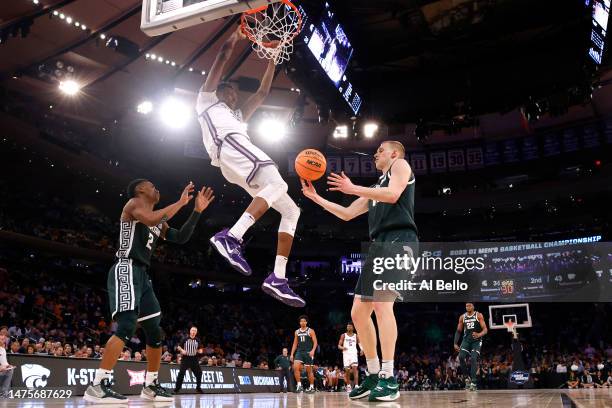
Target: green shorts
(470,345)
(303,357)
(366,282)
(129,288)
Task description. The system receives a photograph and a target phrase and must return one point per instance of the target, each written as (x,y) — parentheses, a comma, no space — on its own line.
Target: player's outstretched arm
(483,326)
(138,209)
(203,199)
(340,343)
(458,333)
(255,100)
(217,69)
(315,343)
(359,346)
(357,207)
(294,346)
(397,184)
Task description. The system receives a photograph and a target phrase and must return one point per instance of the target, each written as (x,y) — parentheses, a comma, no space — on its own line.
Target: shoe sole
(221,251)
(355,397)
(272,291)
(157,398)
(109,400)
(385,398)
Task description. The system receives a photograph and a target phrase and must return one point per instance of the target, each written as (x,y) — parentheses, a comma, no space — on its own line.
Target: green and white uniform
(388,223)
(128,283)
(304,347)
(471,325)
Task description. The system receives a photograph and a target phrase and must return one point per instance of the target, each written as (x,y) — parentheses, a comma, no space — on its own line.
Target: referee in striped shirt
(189,349)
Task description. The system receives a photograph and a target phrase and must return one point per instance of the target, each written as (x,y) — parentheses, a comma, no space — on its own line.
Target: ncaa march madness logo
(519,377)
(34,375)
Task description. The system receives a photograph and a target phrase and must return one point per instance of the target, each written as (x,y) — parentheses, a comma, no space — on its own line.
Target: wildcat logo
(136,377)
(34,375)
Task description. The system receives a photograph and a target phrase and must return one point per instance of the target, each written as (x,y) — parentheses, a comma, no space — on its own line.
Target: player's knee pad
(126,325)
(152,331)
(290,214)
(273,190)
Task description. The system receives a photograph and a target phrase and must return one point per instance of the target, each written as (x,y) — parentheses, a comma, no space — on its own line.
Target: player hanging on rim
(130,292)
(224,131)
(348,344)
(471,343)
(302,353)
(390,204)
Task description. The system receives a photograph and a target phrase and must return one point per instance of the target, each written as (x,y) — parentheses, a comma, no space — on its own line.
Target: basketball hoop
(272,29)
(510,325)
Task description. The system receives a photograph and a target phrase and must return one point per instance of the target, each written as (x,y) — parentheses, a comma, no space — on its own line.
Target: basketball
(310,164)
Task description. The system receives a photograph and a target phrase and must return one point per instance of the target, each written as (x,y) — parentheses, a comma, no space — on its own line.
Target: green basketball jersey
(470,325)
(385,216)
(137,241)
(305,342)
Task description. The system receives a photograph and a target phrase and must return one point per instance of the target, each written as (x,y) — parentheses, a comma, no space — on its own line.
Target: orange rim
(269,44)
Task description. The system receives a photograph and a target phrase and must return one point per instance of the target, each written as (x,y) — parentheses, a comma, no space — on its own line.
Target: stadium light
(272,129)
(69,87)
(174,113)
(145,107)
(341,132)
(370,129)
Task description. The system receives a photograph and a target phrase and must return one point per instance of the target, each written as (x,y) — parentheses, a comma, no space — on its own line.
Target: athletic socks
(373,365)
(245,222)
(387,368)
(280,266)
(101,374)
(150,378)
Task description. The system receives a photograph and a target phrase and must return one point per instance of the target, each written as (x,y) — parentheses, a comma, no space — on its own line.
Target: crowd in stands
(46,311)
(52,305)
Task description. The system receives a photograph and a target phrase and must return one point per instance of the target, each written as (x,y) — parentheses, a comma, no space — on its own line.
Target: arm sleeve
(457,336)
(181,236)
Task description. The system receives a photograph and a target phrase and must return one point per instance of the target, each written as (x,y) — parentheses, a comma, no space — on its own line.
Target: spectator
(599,380)
(283,364)
(6,370)
(15,348)
(586,379)
(137,356)
(573,381)
(126,355)
(24,345)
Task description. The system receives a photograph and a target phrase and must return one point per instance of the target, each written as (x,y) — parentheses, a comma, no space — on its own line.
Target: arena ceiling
(414,59)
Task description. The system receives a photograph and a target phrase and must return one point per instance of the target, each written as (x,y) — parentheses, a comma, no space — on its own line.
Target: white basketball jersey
(217,121)
(350,342)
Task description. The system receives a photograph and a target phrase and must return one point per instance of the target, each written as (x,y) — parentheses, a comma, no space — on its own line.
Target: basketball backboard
(501,314)
(163,16)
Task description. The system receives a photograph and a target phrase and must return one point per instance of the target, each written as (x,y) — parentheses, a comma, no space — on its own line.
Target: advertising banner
(73,375)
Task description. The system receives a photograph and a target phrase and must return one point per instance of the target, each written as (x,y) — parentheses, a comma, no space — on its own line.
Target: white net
(272,30)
